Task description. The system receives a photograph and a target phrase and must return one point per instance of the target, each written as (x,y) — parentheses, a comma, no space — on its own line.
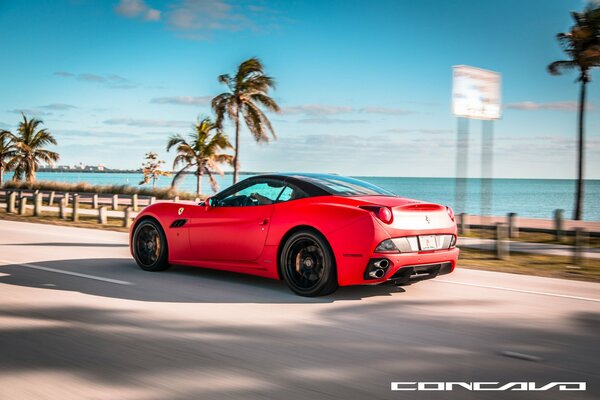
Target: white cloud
(556,106)
(316,109)
(183,100)
(431,131)
(385,110)
(206,15)
(323,109)
(137,9)
(148,123)
(30,112)
(326,120)
(113,81)
(58,106)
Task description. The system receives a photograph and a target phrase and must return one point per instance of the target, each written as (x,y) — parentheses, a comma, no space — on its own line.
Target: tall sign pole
(475,95)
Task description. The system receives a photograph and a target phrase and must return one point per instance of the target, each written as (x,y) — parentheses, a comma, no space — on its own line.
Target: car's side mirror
(210,202)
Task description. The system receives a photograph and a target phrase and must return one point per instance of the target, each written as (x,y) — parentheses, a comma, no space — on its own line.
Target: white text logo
(489,386)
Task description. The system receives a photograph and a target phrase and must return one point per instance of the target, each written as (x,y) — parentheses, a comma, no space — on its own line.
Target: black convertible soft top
(314,184)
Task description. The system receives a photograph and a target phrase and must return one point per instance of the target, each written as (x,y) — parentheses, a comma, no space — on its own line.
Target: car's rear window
(342,186)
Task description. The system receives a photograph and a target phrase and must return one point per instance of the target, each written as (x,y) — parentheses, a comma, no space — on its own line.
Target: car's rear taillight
(450,213)
(383,213)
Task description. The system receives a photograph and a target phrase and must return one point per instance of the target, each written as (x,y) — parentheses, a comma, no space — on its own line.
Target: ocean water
(535,198)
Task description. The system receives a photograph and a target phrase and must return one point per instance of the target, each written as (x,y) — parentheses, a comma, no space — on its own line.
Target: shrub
(84,187)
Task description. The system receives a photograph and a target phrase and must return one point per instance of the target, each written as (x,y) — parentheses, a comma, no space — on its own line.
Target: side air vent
(178,223)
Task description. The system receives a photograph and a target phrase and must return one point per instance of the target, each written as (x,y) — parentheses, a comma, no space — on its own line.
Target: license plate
(427,242)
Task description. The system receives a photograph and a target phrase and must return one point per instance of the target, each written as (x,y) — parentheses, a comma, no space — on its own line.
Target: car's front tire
(149,245)
(308,265)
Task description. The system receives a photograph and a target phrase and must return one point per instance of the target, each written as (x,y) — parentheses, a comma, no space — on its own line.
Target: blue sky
(364,85)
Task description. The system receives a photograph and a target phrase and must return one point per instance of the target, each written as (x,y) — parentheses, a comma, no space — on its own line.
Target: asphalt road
(79,320)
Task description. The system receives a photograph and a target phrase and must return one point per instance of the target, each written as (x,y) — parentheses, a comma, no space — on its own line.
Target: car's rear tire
(308,265)
(149,245)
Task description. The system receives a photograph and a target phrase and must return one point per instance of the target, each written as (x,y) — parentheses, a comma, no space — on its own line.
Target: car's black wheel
(308,265)
(150,246)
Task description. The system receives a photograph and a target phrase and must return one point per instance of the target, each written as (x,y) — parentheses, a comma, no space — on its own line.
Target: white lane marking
(60,271)
(565,296)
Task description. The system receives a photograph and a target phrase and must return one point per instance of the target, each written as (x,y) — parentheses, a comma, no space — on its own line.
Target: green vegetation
(152,169)
(531,264)
(582,45)
(202,152)
(8,150)
(29,151)
(248,89)
(84,187)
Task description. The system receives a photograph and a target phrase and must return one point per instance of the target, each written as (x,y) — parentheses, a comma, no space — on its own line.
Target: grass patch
(531,264)
(532,237)
(84,187)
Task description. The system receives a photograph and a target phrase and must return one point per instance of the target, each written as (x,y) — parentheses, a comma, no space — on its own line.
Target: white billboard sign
(475,93)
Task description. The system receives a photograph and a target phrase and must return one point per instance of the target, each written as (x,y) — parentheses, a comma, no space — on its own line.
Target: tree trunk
(199,174)
(1,175)
(578,214)
(236,165)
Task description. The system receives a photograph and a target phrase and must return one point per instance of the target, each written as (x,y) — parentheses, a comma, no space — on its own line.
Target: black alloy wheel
(150,246)
(308,265)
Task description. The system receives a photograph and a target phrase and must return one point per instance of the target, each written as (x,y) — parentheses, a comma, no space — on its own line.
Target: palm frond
(265,101)
(179,176)
(174,140)
(557,67)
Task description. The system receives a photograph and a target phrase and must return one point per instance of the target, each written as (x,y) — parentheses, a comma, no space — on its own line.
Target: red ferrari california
(314,231)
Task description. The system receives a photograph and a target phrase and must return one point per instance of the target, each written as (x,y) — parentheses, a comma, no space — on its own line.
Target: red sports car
(314,231)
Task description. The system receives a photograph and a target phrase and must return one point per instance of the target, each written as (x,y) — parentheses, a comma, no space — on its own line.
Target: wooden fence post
(11,204)
(95,201)
(127,217)
(581,243)
(513,225)
(102,215)
(463,226)
(66,197)
(75,214)
(23,206)
(51,198)
(175,199)
(559,224)
(152,200)
(115,202)
(37,204)
(502,249)
(134,201)
(62,208)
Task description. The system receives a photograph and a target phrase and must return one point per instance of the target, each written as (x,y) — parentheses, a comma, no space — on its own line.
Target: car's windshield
(342,186)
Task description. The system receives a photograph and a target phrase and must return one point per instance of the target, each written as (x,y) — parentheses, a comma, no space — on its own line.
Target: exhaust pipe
(377,273)
(381,264)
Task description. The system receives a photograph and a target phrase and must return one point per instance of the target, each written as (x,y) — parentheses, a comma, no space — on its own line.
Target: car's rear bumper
(418,266)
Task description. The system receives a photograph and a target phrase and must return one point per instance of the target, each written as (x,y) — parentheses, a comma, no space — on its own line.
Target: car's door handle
(264,221)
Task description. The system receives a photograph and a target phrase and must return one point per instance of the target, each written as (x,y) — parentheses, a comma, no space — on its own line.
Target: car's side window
(257,194)
(291,193)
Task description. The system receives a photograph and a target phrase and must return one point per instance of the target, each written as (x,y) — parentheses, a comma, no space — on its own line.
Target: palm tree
(201,152)
(582,45)
(7,152)
(248,89)
(30,151)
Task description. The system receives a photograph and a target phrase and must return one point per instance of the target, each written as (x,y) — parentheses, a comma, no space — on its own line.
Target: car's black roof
(318,184)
